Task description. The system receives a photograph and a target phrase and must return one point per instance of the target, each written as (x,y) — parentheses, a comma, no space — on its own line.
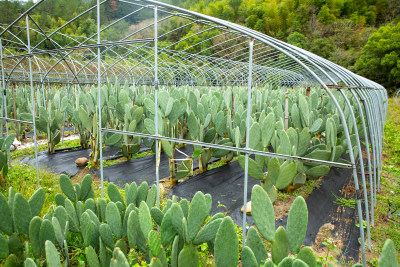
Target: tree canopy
(361,35)
(380,57)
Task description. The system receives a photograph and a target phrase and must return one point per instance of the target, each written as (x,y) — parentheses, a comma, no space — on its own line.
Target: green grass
(143,154)
(390,180)
(30,151)
(306,189)
(23,180)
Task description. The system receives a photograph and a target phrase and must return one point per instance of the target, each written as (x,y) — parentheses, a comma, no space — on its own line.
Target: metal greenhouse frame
(234,56)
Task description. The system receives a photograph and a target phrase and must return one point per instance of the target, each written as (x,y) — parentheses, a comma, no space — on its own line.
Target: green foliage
(262,210)
(248,258)
(113,218)
(188,256)
(298,39)
(218,232)
(388,257)
(4,148)
(22,214)
(297,224)
(226,248)
(280,247)
(255,170)
(380,58)
(52,255)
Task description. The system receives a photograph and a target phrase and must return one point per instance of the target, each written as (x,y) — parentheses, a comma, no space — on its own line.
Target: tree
(380,57)
(251,21)
(323,47)
(10,10)
(298,39)
(325,16)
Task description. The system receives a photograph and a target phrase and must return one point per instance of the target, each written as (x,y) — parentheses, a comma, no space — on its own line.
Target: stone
(248,208)
(16,143)
(81,162)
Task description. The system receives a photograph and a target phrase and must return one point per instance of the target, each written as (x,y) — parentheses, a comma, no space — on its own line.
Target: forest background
(360,35)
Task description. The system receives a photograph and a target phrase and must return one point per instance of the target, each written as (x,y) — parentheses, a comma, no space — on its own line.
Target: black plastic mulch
(225,184)
(64,162)
(143,169)
(322,209)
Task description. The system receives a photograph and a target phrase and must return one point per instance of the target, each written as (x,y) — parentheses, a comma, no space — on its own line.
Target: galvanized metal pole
(65,116)
(246,162)
(360,108)
(381,130)
(156,101)
(4,108)
(372,129)
(99,97)
(353,162)
(371,116)
(353,118)
(4,95)
(32,98)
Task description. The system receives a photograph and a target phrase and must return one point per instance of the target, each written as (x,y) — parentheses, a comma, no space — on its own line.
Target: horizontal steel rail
(19,121)
(230,148)
(80,47)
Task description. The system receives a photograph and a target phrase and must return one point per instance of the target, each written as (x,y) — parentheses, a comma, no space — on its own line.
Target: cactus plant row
(113,230)
(205,114)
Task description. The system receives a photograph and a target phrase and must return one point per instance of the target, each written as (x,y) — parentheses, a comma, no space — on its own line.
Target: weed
(343,202)
(327,259)
(282,196)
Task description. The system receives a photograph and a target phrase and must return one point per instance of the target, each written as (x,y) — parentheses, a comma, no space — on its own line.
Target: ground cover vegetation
(361,35)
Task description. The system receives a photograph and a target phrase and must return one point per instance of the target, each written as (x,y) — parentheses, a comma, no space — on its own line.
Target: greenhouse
(225,93)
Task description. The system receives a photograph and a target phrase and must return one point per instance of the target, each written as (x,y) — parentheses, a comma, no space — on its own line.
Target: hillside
(361,35)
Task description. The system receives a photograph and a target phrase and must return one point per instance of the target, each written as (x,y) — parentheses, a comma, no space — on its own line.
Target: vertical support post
(4,108)
(381,130)
(246,162)
(361,166)
(65,115)
(353,163)
(99,97)
(32,98)
(4,102)
(156,101)
(367,150)
(373,134)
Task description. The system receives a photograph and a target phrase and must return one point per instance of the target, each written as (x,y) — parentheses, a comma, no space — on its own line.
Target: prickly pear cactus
(297,224)
(263,213)
(226,247)
(388,257)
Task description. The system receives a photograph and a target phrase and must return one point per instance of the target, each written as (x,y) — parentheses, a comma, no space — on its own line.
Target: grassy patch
(306,189)
(23,180)
(385,227)
(30,151)
(143,154)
